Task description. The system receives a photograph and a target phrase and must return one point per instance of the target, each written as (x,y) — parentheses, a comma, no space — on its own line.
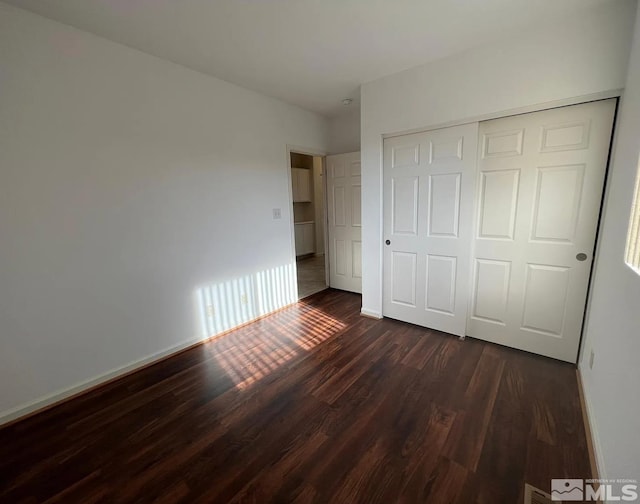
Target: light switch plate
(277,214)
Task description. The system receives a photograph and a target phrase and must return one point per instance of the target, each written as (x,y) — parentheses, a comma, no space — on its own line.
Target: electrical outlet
(277,214)
(244,299)
(592,356)
(211,311)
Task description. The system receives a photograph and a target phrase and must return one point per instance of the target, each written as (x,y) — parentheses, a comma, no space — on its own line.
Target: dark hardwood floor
(312,404)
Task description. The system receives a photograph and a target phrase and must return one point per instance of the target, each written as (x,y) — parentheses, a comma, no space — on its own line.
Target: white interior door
(345,223)
(539,189)
(428,203)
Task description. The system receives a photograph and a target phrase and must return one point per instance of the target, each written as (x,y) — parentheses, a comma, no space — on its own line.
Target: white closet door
(539,185)
(345,224)
(428,203)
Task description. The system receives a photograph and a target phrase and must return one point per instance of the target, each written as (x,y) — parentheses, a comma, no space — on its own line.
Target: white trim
(325,214)
(565,102)
(370,313)
(292,224)
(66,393)
(86,386)
(303,150)
(593,427)
(382,230)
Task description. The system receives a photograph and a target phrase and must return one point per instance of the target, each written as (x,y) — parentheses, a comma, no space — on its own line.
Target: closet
(490,227)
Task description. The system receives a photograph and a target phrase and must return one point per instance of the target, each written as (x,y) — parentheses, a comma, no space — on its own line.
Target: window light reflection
(250,353)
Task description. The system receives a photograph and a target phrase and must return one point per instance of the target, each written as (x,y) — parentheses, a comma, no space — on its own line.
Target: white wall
(613,324)
(344,132)
(130,188)
(585,55)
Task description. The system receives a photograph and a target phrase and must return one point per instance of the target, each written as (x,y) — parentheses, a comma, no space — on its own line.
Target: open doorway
(309,222)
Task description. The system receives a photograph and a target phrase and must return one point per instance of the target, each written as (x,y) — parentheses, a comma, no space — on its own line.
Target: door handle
(581,256)
(388,242)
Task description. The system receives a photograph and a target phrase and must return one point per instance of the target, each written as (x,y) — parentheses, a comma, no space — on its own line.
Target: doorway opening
(309,222)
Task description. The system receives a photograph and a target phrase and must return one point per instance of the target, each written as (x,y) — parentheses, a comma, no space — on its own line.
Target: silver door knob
(581,256)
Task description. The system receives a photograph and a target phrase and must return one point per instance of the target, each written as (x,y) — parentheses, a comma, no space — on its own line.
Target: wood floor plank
(443,485)
(510,430)
(312,404)
(467,438)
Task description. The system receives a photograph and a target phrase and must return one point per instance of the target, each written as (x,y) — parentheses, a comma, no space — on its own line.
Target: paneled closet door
(344,227)
(428,192)
(540,182)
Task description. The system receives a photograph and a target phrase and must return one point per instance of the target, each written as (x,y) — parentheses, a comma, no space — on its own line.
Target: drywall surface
(580,57)
(613,320)
(344,133)
(136,207)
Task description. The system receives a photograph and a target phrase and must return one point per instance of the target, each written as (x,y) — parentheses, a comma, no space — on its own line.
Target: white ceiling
(312,53)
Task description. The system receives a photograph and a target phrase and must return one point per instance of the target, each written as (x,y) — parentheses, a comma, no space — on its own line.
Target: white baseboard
(592,427)
(61,395)
(66,393)
(370,313)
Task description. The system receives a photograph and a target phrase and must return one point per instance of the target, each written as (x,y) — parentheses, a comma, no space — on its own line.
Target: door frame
(538,107)
(567,102)
(308,151)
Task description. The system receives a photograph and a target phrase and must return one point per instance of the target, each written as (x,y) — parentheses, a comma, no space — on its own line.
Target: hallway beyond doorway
(311,275)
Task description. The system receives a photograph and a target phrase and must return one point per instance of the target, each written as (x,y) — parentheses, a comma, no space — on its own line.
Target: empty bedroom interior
(390,257)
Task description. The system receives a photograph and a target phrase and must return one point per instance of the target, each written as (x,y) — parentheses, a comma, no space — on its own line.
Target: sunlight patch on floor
(247,355)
